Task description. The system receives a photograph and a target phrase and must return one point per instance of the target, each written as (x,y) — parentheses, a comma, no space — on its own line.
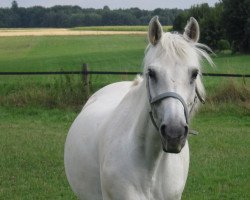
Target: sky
(113,4)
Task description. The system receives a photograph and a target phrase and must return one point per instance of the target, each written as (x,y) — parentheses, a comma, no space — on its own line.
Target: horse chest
(129,181)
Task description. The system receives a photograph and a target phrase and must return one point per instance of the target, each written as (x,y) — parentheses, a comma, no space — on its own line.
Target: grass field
(37,111)
(31,148)
(115,53)
(32,142)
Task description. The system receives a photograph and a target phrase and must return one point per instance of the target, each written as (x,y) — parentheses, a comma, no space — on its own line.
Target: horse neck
(143,134)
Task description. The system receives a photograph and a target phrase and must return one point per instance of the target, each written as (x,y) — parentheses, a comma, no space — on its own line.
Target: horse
(129,142)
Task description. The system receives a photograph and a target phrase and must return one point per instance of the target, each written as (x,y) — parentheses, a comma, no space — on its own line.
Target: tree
(212,28)
(106,8)
(209,18)
(180,21)
(14,6)
(236,18)
(69,16)
(15,18)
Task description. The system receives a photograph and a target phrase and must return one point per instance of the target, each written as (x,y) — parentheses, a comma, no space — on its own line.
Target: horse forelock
(177,48)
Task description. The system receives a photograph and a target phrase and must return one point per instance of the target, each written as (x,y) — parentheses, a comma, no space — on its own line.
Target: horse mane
(137,80)
(176,47)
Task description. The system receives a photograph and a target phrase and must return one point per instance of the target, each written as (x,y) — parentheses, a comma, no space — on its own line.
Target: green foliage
(209,18)
(223,45)
(180,21)
(236,17)
(14,6)
(72,16)
(228,20)
(232,91)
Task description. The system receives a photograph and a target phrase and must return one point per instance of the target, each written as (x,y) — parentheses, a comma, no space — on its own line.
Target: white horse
(130,140)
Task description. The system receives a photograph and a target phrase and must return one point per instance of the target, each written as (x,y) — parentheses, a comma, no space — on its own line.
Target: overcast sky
(142,4)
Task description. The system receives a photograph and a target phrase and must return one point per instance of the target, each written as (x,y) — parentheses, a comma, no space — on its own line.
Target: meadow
(32,142)
(102,53)
(37,111)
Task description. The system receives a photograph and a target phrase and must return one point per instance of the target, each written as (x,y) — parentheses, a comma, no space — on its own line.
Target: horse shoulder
(81,147)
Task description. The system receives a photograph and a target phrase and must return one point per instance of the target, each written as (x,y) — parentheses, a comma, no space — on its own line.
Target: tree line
(224,26)
(73,16)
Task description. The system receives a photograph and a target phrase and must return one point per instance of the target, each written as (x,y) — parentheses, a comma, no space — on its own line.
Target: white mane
(176,47)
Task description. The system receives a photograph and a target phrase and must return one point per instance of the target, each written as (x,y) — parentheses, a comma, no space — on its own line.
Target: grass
(63,53)
(69,52)
(31,161)
(32,141)
(33,129)
(117,52)
(114,53)
(117,28)
(219,166)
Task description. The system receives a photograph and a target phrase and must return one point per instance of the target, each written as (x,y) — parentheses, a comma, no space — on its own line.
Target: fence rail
(107,73)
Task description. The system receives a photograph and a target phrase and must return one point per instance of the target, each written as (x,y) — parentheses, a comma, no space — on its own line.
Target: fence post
(85,79)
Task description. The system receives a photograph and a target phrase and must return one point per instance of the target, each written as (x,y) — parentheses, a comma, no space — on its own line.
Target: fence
(111,73)
(85,74)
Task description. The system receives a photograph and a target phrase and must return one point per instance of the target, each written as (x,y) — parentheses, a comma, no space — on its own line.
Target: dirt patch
(62,32)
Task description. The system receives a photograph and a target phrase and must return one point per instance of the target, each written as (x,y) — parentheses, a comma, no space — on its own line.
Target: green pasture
(37,111)
(116,52)
(104,53)
(32,142)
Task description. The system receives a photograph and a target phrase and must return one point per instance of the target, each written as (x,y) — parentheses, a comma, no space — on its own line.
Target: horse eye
(151,73)
(194,74)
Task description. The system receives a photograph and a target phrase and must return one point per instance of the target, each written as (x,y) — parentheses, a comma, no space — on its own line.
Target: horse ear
(155,30)
(192,30)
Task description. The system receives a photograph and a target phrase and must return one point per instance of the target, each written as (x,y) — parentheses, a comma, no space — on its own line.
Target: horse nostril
(186,130)
(174,132)
(163,130)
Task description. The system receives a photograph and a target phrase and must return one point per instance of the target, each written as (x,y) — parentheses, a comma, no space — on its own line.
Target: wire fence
(108,73)
(85,72)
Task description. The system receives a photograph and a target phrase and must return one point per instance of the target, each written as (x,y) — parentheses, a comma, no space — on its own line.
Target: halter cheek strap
(166,95)
(162,96)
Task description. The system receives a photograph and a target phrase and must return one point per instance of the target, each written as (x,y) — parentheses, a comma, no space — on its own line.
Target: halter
(166,95)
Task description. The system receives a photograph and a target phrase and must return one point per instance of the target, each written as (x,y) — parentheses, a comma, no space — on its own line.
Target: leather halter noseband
(165,95)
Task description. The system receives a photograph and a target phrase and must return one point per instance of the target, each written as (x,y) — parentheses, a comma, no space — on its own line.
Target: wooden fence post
(85,79)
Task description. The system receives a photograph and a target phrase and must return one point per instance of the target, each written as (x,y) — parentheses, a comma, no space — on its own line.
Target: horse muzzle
(173,137)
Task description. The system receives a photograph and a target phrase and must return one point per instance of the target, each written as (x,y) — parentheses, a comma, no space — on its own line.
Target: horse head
(172,73)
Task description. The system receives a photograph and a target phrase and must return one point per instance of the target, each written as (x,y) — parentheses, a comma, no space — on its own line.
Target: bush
(223,45)
(230,92)
(64,92)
